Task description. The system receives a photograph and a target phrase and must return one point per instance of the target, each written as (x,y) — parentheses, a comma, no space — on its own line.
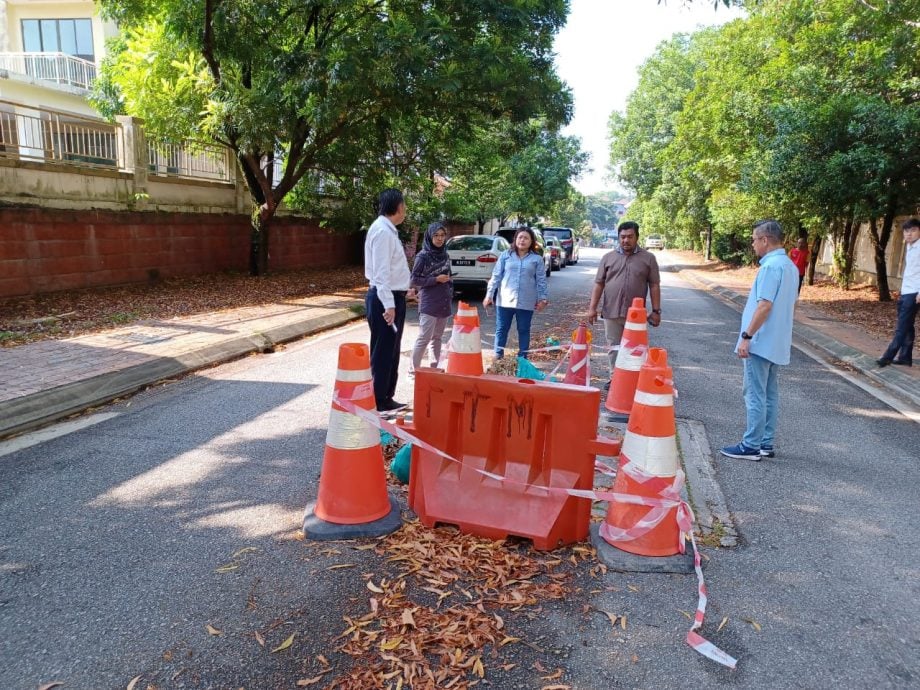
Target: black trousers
(385,343)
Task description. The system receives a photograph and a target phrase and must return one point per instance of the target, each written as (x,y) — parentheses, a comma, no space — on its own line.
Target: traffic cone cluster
(465,347)
(630,358)
(648,466)
(578,372)
(352,499)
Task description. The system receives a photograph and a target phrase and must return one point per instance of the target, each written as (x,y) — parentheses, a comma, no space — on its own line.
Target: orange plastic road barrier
(352,483)
(527,435)
(630,358)
(577,373)
(651,448)
(465,349)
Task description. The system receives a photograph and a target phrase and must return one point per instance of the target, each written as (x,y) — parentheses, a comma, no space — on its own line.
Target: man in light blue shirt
(900,351)
(765,342)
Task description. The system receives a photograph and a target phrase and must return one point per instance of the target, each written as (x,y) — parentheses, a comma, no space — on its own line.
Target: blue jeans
(902,345)
(503,317)
(761,399)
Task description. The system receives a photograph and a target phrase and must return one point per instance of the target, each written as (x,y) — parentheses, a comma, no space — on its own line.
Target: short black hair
(628,225)
(388,202)
(910,223)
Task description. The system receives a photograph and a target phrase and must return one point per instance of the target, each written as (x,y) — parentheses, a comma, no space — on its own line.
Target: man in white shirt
(387,270)
(900,351)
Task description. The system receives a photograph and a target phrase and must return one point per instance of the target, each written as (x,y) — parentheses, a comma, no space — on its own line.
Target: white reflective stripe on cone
(655,455)
(636,326)
(627,360)
(467,312)
(654,399)
(348,432)
(466,343)
(353,375)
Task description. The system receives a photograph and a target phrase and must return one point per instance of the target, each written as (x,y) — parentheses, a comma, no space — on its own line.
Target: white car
(472,258)
(654,242)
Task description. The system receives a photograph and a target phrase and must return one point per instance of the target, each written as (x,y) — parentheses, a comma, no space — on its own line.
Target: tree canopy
(350,95)
(807,110)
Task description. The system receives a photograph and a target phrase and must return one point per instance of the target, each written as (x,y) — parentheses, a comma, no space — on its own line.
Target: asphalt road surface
(178,509)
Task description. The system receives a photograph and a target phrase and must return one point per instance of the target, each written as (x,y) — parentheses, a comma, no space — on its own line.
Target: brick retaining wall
(43,250)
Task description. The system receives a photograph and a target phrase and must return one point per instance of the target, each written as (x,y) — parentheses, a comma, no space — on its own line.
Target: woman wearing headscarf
(431,277)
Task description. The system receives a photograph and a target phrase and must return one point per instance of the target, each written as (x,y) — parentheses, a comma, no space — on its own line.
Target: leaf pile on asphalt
(78,312)
(436,624)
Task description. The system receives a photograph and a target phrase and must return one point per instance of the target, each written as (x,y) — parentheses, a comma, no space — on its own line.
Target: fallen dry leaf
(227,568)
(340,566)
(284,645)
(133,683)
(554,675)
(212,630)
(686,613)
(248,549)
(259,638)
(53,684)
(304,682)
(754,624)
(374,588)
(407,618)
(722,624)
(323,660)
(556,687)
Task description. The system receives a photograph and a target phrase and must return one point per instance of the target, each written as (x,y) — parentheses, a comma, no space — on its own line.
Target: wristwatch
(656,311)
(745,335)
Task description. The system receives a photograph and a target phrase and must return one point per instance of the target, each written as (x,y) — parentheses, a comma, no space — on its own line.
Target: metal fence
(60,68)
(190,161)
(42,135)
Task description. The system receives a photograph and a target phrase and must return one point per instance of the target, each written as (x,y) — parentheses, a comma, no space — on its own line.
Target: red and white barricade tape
(670,498)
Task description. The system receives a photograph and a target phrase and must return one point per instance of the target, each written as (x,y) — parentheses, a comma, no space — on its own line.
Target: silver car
(472,259)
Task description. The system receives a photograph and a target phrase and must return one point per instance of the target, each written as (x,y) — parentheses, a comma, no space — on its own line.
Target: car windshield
(470,243)
(654,237)
(561,233)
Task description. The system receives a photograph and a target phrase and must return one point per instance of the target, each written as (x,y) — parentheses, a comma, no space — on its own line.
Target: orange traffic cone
(465,347)
(630,358)
(579,357)
(352,499)
(648,467)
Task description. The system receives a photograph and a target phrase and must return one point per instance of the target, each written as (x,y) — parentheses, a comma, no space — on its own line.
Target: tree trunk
(813,259)
(258,240)
(708,241)
(879,246)
(480,224)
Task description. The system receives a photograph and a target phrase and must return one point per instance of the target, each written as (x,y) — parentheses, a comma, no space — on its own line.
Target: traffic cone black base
(315,529)
(624,562)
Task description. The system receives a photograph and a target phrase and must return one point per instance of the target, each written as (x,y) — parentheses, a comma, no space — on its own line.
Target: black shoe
(902,364)
(390,406)
(882,362)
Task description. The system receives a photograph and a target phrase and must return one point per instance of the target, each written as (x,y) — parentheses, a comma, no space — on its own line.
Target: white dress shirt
(910,281)
(385,263)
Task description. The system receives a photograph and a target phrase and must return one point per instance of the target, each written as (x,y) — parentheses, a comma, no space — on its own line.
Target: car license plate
(462,262)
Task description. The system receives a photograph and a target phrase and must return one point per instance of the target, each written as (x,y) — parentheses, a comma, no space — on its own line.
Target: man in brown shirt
(624,273)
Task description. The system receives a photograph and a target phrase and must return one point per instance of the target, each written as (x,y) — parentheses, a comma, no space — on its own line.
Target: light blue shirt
(519,283)
(777,282)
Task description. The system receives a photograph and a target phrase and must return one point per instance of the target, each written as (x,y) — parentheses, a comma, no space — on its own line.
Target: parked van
(569,243)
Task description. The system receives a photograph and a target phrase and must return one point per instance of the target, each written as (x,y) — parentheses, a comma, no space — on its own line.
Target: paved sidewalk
(48,380)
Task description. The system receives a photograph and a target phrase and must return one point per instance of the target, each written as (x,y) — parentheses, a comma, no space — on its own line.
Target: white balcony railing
(50,136)
(58,68)
(191,161)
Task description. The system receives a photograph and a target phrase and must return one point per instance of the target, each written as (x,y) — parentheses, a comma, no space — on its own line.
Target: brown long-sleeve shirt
(625,276)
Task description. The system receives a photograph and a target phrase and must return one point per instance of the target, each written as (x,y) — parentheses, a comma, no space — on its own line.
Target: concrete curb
(31,411)
(895,381)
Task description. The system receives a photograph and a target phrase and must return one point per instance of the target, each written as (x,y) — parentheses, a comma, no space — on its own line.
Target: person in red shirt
(799,257)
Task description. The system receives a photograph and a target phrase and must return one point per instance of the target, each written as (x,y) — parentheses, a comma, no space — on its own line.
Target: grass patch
(123,317)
